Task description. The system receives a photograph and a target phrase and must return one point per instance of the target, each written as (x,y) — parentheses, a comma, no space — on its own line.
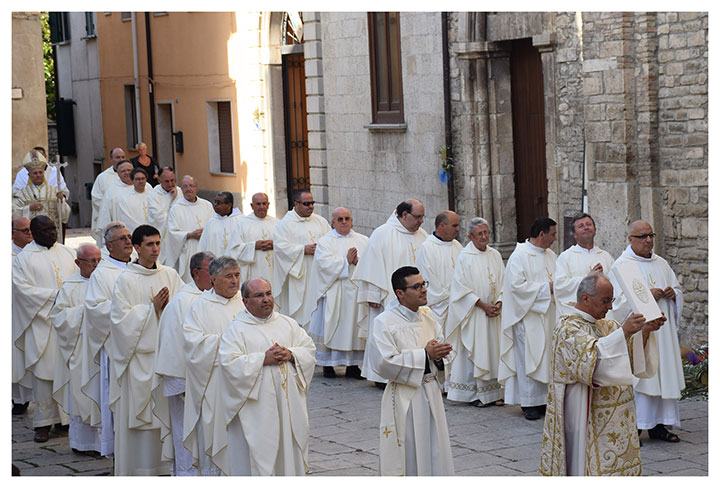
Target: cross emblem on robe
(387,432)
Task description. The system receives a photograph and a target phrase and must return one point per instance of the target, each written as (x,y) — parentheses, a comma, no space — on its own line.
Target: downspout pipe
(151,85)
(136,73)
(448,113)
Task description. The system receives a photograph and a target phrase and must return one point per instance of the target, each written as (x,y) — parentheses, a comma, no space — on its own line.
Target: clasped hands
(491,310)
(659,293)
(437,350)
(277,354)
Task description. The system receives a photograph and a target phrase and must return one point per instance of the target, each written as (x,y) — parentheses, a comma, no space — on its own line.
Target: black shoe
(353,372)
(380,385)
(329,372)
(60,428)
(19,408)
(42,434)
(542,408)
(531,413)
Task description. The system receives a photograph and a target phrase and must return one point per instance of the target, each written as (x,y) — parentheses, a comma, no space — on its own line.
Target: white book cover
(636,291)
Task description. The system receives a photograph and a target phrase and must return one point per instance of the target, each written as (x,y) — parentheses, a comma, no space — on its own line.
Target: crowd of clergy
(185,340)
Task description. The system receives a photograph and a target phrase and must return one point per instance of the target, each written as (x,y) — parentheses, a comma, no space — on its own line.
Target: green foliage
(49,65)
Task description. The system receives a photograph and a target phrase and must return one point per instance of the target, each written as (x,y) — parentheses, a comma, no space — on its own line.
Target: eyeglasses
(344,219)
(605,301)
(416,286)
(123,238)
(24,231)
(94,261)
(417,217)
(220,202)
(644,236)
(307,204)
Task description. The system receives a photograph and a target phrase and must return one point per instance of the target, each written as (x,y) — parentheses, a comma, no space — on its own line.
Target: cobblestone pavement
(344,415)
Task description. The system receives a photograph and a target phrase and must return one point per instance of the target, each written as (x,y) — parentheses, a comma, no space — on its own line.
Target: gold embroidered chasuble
(611,439)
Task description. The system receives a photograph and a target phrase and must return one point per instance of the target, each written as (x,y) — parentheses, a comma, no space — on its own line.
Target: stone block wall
(371,172)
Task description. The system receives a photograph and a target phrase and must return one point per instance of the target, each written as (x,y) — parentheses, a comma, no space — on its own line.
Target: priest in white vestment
(101,185)
(95,330)
(207,319)
(117,190)
(252,243)
(436,262)
(39,197)
(294,244)
(159,201)
(528,319)
(473,325)
(38,273)
(656,398)
(266,362)
(394,244)
(66,316)
(338,320)
(141,293)
(576,262)
(408,349)
(21,395)
(217,234)
(131,206)
(186,220)
(590,422)
(169,370)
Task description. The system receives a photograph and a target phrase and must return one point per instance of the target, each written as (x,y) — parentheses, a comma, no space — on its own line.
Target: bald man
(656,398)
(252,242)
(21,235)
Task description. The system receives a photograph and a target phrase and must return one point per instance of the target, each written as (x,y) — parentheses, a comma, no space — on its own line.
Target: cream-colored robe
(342,317)
(115,190)
(390,247)
(436,262)
(396,352)
(475,336)
(170,358)
(66,316)
(96,330)
(98,193)
(254,263)
(204,324)
(590,419)
(20,393)
(130,208)
(291,271)
(667,385)
(47,196)
(571,267)
(261,421)
(131,348)
(37,275)
(158,204)
(184,217)
(527,303)
(218,231)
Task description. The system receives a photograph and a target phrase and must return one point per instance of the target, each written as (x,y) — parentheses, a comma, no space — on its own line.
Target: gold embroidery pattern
(493,286)
(58,280)
(225,239)
(463,387)
(413,250)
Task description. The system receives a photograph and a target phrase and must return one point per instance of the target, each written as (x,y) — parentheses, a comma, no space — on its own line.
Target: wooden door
(296,131)
(528,115)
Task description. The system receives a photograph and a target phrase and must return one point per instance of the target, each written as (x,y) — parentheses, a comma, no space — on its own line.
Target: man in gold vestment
(590,424)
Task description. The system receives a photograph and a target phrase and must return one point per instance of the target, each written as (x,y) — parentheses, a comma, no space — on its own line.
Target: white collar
(337,234)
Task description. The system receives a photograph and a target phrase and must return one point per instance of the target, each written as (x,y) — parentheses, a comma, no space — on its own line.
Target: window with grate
(59,27)
(130,116)
(225,137)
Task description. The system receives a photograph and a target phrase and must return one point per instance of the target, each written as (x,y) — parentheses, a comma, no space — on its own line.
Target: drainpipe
(448,115)
(137,78)
(151,91)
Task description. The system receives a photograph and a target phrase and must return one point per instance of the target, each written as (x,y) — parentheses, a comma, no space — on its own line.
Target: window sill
(217,173)
(386,127)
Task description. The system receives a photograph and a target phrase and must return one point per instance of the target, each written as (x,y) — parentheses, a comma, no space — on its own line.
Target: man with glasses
(577,261)
(656,398)
(217,235)
(96,329)
(394,244)
(589,426)
(294,243)
(407,347)
(528,319)
(38,273)
(186,219)
(21,235)
(66,317)
(169,370)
